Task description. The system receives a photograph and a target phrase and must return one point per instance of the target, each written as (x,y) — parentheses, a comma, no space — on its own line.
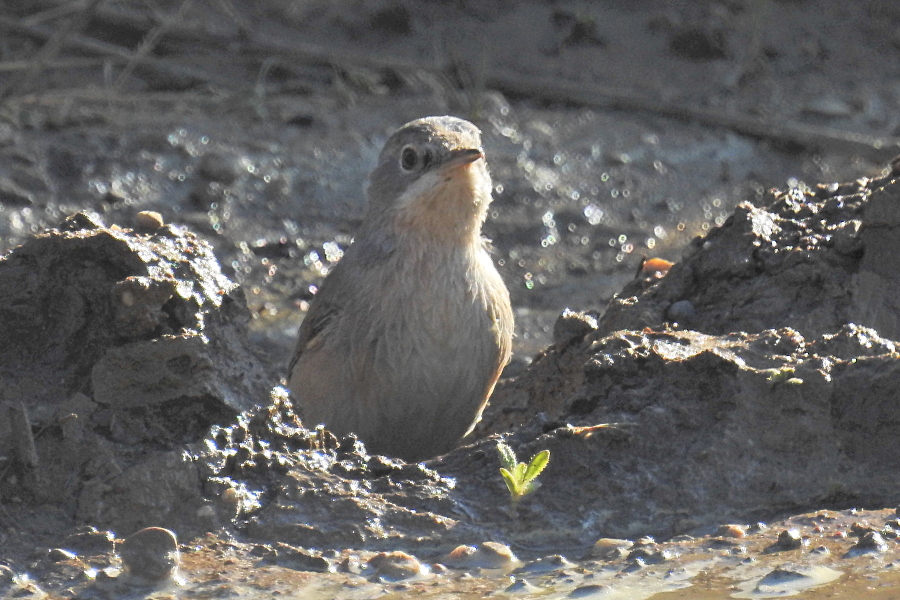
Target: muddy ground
(738,390)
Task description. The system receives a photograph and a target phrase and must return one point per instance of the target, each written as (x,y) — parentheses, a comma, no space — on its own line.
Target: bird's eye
(409,158)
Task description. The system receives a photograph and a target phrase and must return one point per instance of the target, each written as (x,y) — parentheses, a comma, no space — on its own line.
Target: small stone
(350,564)
(871,541)
(586,591)
(682,311)
(148,220)
(489,555)
(733,531)
(860,529)
(788,580)
(649,553)
(789,539)
(395,566)
(151,553)
(298,559)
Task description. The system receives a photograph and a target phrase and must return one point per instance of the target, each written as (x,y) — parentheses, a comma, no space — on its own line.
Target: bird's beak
(461,157)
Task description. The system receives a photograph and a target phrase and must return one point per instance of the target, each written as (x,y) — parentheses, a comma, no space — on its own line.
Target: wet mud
(720,426)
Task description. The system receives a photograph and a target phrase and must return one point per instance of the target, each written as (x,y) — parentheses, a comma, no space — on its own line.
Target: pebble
(871,541)
(151,553)
(395,566)
(148,220)
(789,539)
(489,555)
(298,559)
(789,580)
(610,548)
(682,311)
(585,591)
(733,531)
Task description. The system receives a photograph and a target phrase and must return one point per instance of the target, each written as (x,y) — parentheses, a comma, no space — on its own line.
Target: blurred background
(614,130)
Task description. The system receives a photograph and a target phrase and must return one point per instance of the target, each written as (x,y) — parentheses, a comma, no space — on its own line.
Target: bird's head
(431,179)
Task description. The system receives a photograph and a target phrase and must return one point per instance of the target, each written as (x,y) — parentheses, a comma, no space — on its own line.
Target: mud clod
(151,553)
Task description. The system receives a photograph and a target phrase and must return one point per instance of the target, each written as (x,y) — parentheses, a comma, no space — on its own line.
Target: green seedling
(521,478)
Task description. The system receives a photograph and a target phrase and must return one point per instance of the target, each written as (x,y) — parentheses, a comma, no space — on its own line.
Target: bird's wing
(326,306)
(339,289)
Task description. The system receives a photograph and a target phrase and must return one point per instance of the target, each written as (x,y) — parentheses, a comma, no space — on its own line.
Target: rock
(731,531)
(488,555)
(789,539)
(148,221)
(789,580)
(681,312)
(395,566)
(588,591)
(610,548)
(871,541)
(298,559)
(151,553)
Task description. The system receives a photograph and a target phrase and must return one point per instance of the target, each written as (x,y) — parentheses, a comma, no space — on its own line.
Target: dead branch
(49,50)
(159,66)
(554,90)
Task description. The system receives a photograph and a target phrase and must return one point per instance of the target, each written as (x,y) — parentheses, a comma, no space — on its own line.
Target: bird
(407,335)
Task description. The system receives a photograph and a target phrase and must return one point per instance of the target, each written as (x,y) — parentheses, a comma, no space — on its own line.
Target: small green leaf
(507,456)
(519,472)
(511,482)
(538,463)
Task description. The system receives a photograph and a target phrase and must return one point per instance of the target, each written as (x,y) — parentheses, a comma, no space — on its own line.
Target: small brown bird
(408,334)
